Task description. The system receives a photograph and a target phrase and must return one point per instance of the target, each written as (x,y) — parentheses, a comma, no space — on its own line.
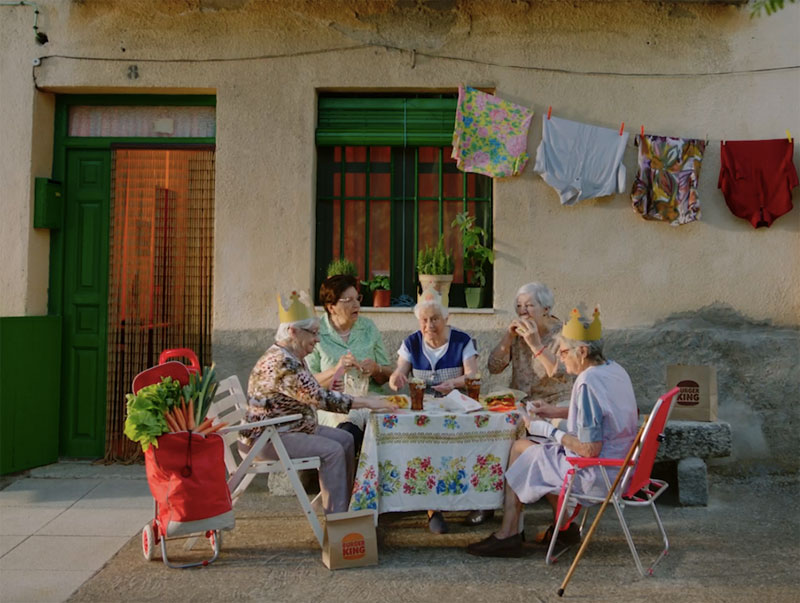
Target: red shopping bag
(187,478)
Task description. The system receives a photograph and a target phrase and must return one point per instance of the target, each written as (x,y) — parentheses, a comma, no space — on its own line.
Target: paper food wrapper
(350,540)
(455,401)
(697,400)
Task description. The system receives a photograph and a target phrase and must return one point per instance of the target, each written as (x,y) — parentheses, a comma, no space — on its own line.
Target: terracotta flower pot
(440,282)
(381,298)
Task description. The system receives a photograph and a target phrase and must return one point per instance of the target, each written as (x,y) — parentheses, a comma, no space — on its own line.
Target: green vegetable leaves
(145,418)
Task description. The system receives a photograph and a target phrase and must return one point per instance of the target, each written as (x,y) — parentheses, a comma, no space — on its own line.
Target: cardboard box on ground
(697,400)
(350,540)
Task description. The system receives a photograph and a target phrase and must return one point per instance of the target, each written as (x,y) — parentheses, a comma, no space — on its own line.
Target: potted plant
(435,269)
(381,294)
(342,266)
(477,258)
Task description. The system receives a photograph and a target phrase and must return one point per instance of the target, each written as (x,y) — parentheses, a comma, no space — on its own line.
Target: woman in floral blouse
(281,384)
(530,344)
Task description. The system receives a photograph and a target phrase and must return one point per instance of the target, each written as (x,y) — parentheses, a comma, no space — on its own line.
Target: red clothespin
(622,128)
(642,131)
(549,111)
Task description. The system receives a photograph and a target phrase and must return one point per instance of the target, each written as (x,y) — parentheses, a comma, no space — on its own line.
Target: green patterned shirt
(365,341)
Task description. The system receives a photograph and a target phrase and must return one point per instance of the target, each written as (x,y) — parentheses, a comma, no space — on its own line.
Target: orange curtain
(161,268)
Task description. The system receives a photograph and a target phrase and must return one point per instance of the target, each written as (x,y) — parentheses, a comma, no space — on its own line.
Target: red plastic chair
(176,370)
(194,363)
(636,489)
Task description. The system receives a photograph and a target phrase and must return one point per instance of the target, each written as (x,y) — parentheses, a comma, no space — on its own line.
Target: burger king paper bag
(350,540)
(697,400)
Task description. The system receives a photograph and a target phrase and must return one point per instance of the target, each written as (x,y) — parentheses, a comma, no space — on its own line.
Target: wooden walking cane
(585,542)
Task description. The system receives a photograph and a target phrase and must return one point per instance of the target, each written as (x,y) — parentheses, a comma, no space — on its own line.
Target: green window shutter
(385,121)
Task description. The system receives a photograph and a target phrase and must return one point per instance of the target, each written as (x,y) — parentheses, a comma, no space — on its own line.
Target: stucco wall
(266,61)
(597,252)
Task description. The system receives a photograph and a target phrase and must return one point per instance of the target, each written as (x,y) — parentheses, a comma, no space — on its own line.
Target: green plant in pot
(380,287)
(435,268)
(477,258)
(342,266)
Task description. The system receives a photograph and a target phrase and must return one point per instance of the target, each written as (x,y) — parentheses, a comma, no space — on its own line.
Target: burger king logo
(353,546)
(689,394)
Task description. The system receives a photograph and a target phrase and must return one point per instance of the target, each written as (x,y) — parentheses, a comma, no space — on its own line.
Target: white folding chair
(636,489)
(230,405)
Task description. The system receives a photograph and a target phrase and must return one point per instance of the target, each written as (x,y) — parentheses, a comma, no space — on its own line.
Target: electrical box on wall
(48,203)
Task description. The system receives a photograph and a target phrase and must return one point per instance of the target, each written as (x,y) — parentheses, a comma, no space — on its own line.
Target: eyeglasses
(528,307)
(563,353)
(350,300)
(310,331)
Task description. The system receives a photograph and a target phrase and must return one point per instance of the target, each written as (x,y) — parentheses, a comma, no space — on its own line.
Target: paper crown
(297,307)
(574,329)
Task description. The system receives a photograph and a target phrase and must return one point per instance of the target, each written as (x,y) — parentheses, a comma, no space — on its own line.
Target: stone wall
(757,365)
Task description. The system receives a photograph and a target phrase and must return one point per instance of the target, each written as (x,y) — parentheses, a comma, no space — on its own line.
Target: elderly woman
(438,354)
(441,356)
(347,342)
(601,422)
(530,344)
(281,384)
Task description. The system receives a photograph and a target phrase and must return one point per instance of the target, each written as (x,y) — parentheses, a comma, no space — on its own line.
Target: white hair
(283,329)
(431,303)
(539,292)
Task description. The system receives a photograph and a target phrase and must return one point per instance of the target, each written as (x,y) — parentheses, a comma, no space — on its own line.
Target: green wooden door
(85,303)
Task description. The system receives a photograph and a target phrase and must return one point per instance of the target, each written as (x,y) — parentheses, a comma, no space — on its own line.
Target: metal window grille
(379,205)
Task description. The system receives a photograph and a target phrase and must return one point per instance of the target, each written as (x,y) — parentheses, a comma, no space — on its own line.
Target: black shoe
(476,518)
(568,537)
(498,547)
(437,524)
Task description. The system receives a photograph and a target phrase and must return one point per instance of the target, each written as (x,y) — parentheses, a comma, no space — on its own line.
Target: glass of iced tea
(473,383)
(416,388)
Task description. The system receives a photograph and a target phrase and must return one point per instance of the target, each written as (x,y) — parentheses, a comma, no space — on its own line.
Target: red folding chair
(185,353)
(636,489)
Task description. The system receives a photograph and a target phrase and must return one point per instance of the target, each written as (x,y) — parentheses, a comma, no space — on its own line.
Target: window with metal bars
(379,204)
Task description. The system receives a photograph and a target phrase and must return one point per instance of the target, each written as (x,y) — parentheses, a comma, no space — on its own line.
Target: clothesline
(582,161)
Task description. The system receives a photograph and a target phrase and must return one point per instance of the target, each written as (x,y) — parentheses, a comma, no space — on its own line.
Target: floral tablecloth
(414,461)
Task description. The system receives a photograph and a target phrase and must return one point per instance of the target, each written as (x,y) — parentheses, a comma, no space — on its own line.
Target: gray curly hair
(538,291)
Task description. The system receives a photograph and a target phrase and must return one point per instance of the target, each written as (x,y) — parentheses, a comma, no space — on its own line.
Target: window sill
(410,309)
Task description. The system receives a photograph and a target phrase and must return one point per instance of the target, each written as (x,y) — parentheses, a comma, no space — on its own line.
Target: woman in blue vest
(438,354)
(441,356)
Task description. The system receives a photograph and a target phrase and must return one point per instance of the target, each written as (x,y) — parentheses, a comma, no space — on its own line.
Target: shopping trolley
(187,478)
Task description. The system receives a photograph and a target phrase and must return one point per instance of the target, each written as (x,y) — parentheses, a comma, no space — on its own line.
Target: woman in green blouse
(349,342)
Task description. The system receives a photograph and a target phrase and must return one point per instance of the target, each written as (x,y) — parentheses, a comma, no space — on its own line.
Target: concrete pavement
(78,528)
(61,523)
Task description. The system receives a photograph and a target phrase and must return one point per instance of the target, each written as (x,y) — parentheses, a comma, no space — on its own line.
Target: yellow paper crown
(574,329)
(298,307)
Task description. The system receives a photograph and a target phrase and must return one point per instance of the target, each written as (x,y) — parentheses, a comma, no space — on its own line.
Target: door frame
(64,143)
